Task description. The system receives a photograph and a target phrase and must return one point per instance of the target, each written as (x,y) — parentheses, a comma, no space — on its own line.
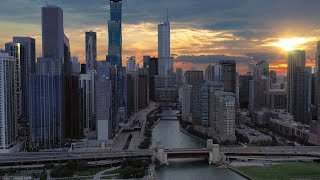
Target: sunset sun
(288,44)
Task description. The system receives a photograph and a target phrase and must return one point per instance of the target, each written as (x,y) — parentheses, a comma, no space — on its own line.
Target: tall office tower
(209,73)
(87,119)
(296,86)
(216,108)
(179,76)
(115,33)
(130,94)
(273,77)
(165,61)
(146,61)
(46,104)
(229,68)
(143,90)
(73,126)
(103,102)
(202,112)
(131,64)
(115,55)
(227,124)
(27,67)
(192,77)
(185,101)
(52,32)
(260,86)
(8,118)
(67,64)
(91,50)
(76,68)
(152,72)
(244,81)
(13,49)
(307,94)
(317,82)
(47,92)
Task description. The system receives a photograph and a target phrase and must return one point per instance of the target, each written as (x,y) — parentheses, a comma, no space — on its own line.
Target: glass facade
(46,110)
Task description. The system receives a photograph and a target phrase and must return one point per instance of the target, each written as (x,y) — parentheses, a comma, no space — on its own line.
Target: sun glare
(290,43)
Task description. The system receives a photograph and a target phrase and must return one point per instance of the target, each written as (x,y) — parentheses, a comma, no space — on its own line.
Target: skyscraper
(131,64)
(76,69)
(115,57)
(193,77)
(52,32)
(229,75)
(27,67)
(47,104)
(87,119)
(297,99)
(103,102)
(91,50)
(46,91)
(115,33)
(8,118)
(13,49)
(317,83)
(165,60)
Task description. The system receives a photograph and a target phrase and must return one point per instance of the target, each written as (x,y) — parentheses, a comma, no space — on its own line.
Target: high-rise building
(76,68)
(46,104)
(146,61)
(317,82)
(8,118)
(297,100)
(273,77)
(227,124)
(13,49)
(131,64)
(47,92)
(103,102)
(229,75)
(143,91)
(67,64)
(192,77)
(209,73)
(185,101)
(152,72)
(179,76)
(276,99)
(73,126)
(260,84)
(52,32)
(115,57)
(115,33)
(201,96)
(91,50)
(244,81)
(87,119)
(27,67)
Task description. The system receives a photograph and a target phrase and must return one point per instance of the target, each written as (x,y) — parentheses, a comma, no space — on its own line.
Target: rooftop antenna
(167,14)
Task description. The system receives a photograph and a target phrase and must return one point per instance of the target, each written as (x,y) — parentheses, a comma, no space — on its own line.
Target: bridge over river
(213,152)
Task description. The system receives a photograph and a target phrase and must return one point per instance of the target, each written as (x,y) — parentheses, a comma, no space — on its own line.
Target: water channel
(167,132)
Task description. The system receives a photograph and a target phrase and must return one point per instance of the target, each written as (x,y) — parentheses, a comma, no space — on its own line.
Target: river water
(168,134)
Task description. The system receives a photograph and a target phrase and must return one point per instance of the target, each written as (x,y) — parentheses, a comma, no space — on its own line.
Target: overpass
(219,155)
(213,152)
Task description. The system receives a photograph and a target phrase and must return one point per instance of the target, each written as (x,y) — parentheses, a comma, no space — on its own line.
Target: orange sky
(141,39)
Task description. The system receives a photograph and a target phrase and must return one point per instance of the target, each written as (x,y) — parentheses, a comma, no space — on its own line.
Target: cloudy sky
(245,30)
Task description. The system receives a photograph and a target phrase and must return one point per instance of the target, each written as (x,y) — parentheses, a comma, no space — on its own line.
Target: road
(137,135)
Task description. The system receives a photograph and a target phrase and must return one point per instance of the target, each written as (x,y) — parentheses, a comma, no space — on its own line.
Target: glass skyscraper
(115,33)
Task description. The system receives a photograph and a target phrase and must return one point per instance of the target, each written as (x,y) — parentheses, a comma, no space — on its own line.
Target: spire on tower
(167,14)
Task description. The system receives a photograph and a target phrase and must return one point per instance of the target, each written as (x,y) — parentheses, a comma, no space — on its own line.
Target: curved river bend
(168,134)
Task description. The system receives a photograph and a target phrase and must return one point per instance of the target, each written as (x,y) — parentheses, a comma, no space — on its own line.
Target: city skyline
(235,28)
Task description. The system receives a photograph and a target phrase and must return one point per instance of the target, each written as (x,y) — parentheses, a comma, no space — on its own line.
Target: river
(168,134)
